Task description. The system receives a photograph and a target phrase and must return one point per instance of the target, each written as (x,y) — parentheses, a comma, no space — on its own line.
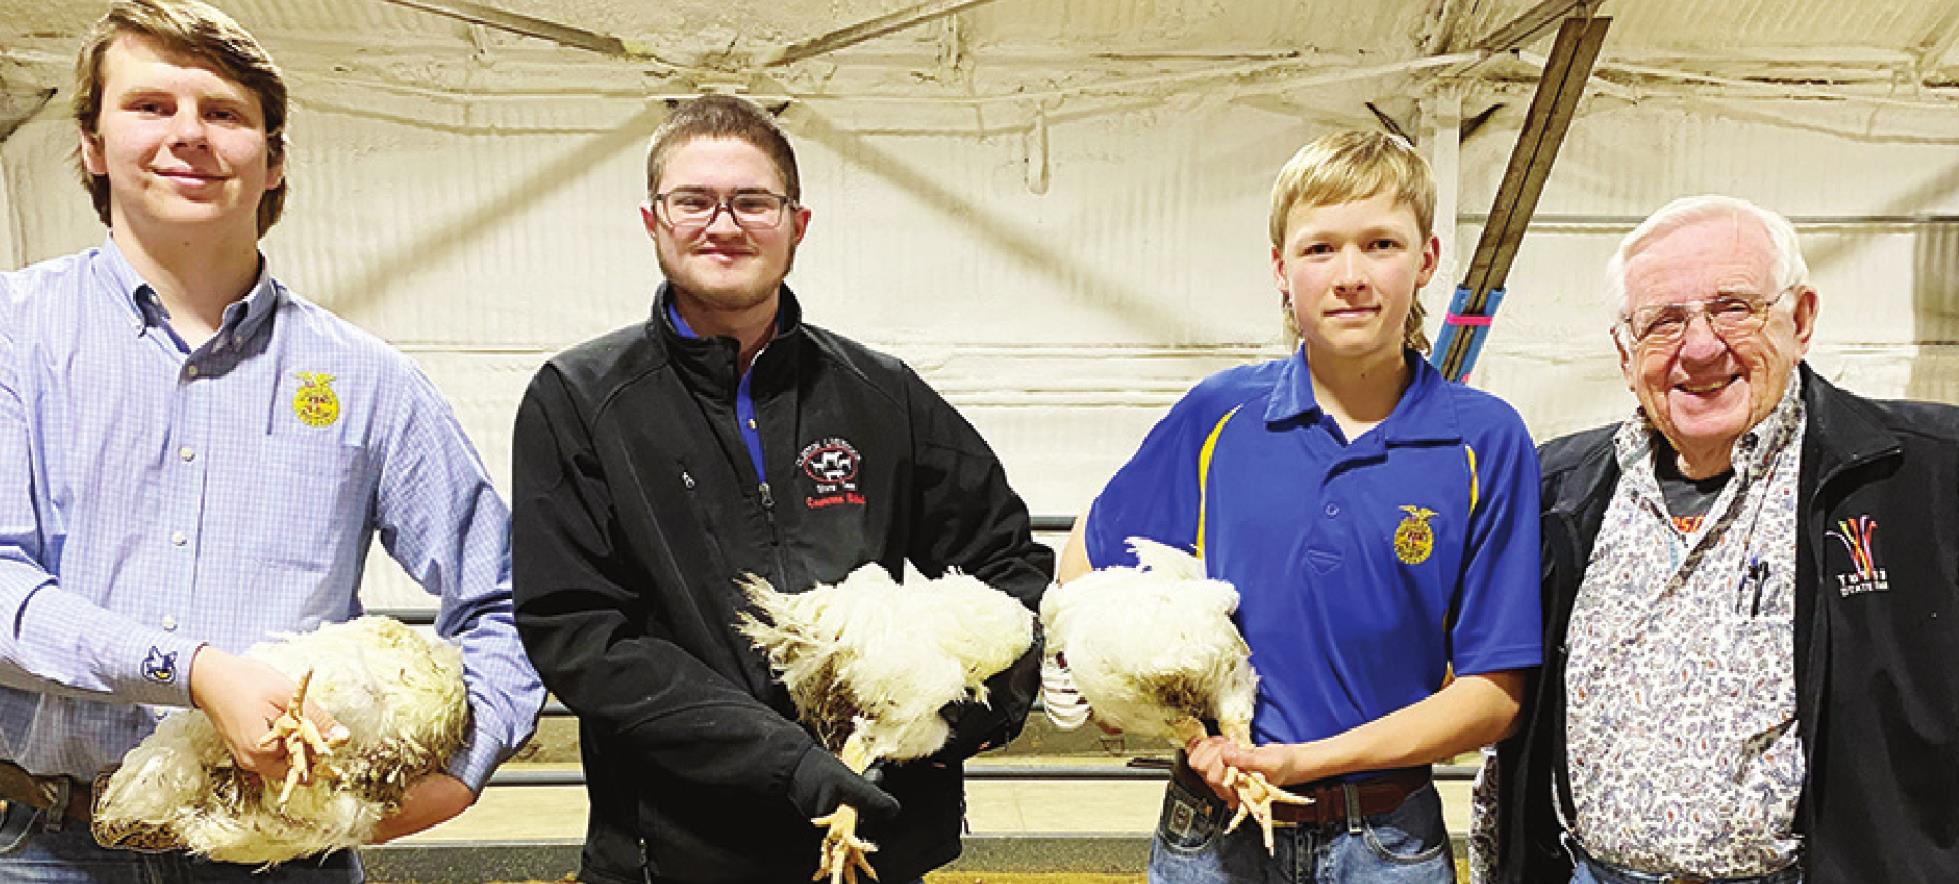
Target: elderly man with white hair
(1752,648)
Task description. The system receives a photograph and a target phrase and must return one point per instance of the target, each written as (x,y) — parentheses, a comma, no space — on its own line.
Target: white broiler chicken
(401,700)
(870,663)
(1153,652)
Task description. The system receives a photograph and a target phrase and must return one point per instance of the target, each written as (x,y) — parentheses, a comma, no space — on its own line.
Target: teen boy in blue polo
(1379,523)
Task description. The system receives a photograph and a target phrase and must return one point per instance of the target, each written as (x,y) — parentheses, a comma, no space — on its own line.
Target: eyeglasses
(698,207)
(1663,325)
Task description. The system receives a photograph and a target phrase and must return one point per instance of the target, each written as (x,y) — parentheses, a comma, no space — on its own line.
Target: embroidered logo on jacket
(160,667)
(1859,538)
(833,465)
(315,403)
(1414,539)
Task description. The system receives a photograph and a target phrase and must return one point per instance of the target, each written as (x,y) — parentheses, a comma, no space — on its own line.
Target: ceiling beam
(1535,22)
(1448,17)
(1520,32)
(18,107)
(524,26)
(1938,41)
(1552,108)
(869,29)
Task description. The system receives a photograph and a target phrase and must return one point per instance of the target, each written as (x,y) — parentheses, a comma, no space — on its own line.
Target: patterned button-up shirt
(1681,690)
(155,497)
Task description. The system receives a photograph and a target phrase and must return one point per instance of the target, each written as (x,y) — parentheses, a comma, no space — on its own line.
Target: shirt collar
(242,318)
(687,331)
(1423,414)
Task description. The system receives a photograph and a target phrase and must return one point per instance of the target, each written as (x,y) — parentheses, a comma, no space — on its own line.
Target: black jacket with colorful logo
(1877,644)
(636,506)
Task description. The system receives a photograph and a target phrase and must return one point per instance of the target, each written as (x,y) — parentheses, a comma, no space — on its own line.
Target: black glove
(977,727)
(821,782)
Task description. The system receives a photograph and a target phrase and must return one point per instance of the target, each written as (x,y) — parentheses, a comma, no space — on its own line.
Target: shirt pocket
(317,494)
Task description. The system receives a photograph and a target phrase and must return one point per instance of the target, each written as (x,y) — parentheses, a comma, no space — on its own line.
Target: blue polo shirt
(1365,568)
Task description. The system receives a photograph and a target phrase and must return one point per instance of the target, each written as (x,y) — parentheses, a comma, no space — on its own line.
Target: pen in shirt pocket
(1751,586)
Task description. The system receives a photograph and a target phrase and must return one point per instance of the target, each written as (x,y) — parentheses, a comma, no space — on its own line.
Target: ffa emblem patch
(315,403)
(831,465)
(160,667)
(1413,538)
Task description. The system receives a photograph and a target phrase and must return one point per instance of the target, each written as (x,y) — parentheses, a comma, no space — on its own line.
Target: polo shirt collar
(1424,414)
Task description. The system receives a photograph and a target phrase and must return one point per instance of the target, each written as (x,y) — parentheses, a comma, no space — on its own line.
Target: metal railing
(1143,769)
(1153,769)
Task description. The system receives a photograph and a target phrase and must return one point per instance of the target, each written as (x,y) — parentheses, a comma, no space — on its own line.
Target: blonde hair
(1353,165)
(198,30)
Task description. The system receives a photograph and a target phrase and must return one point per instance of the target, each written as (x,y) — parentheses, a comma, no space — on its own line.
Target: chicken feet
(844,854)
(1256,795)
(300,737)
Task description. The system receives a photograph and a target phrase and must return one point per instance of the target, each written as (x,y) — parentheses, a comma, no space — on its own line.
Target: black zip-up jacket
(636,507)
(1877,654)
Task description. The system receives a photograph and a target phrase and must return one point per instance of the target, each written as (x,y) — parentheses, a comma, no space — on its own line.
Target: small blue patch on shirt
(160,667)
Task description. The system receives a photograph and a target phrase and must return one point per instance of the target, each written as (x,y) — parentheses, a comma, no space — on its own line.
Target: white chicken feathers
(399,694)
(870,663)
(1153,646)
(1152,650)
(878,658)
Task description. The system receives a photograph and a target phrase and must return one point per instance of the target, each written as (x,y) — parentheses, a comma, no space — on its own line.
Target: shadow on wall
(1935,310)
(439,243)
(1160,320)
(1935,287)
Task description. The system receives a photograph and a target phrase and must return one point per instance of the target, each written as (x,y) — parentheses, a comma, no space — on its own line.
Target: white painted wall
(482,237)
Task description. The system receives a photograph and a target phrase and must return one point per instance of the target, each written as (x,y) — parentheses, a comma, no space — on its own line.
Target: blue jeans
(1588,871)
(1407,845)
(71,856)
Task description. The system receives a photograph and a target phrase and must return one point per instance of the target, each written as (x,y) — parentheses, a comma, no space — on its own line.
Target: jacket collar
(708,364)
(1842,430)
(1425,412)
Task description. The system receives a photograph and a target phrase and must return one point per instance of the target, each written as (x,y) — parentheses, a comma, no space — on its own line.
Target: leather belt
(1373,797)
(71,797)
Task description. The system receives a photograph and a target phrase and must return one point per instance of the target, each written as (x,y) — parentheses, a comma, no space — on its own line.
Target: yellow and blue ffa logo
(1413,538)
(160,667)
(315,404)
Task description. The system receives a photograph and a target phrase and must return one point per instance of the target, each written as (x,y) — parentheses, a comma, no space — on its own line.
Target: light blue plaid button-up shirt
(154,498)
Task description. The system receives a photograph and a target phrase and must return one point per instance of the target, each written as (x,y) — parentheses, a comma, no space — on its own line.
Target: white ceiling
(1051,53)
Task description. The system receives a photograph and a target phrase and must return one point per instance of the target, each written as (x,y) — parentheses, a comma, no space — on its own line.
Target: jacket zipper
(775,535)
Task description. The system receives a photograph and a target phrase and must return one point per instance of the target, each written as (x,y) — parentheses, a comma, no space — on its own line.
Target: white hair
(1787,254)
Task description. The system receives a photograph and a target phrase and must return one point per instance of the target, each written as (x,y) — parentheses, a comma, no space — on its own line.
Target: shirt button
(190,371)
(169,623)
(1332,509)
(179,538)
(187,454)
(160,714)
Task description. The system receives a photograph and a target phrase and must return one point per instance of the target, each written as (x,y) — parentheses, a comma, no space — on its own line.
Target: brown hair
(1354,165)
(724,116)
(201,31)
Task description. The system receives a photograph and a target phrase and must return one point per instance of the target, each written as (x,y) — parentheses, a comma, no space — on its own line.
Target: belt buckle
(56,790)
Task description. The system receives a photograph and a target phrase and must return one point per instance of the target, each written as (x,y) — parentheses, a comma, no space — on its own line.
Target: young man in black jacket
(658,463)
(1749,598)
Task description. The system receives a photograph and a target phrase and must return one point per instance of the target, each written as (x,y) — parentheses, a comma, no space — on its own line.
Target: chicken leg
(300,737)
(843,852)
(1256,794)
